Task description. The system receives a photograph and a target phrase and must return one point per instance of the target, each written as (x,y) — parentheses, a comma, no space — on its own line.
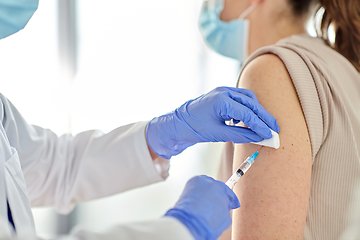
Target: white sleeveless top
(328,87)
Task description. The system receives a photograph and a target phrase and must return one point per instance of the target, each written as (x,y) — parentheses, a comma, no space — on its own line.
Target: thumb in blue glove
(203,120)
(204,207)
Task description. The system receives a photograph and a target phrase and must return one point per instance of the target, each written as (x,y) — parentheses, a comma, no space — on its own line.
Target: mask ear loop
(247,11)
(246,26)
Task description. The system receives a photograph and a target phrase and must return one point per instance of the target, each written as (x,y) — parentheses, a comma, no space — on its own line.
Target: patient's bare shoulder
(274,193)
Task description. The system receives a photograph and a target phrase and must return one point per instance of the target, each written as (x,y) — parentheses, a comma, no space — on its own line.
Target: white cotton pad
(273,142)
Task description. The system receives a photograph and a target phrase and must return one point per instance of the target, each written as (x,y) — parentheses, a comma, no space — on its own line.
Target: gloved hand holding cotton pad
(273,142)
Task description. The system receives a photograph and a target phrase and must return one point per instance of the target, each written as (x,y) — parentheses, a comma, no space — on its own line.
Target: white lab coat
(38,168)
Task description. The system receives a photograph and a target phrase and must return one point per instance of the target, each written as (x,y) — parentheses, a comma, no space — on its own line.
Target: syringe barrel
(233,180)
(240,171)
(245,166)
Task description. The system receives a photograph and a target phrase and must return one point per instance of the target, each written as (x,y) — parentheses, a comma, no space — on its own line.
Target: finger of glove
(198,184)
(243,91)
(233,199)
(206,181)
(237,134)
(257,109)
(248,117)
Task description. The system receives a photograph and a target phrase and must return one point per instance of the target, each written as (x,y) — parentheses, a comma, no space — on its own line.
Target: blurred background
(85,64)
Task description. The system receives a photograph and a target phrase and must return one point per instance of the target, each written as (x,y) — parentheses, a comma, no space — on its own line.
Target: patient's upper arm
(274,193)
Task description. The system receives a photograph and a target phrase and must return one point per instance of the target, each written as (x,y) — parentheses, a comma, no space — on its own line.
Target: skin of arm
(274,193)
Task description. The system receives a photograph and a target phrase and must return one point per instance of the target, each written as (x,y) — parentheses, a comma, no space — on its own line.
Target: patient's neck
(264,33)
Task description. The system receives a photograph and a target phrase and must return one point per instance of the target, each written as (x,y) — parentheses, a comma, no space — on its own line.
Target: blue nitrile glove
(204,207)
(203,120)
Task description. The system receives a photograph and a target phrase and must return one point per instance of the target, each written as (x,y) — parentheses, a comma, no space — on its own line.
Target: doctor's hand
(203,120)
(204,207)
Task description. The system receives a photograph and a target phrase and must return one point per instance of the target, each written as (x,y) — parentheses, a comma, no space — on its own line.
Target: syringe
(241,170)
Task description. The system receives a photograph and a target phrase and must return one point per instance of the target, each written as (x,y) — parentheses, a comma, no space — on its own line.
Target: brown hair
(344,16)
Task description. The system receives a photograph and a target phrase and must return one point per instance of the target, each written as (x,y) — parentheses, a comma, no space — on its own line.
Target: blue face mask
(14,15)
(229,39)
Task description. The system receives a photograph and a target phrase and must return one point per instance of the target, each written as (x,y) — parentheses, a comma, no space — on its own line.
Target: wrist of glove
(204,207)
(199,230)
(170,134)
